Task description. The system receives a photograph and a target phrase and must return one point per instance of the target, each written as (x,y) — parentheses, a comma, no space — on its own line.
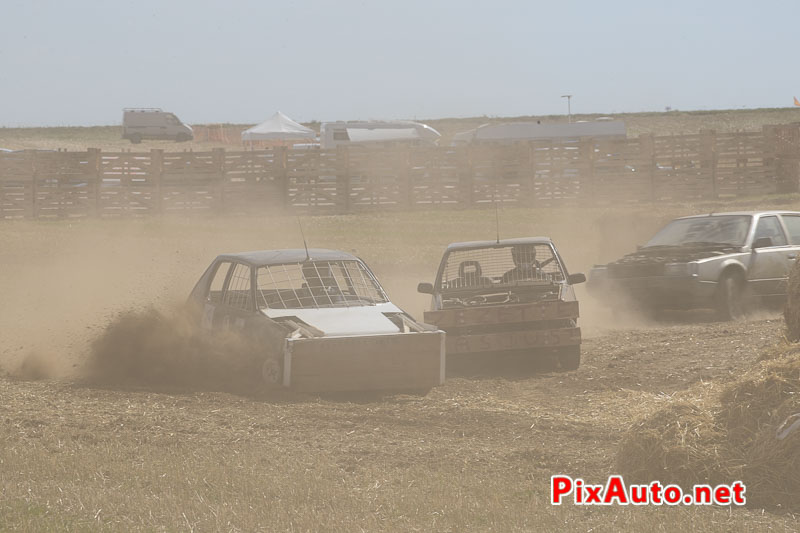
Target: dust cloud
(166,349)
(98,298)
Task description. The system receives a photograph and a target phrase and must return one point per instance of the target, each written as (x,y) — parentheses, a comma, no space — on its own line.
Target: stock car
(511,297)
(723,261)
(324,322)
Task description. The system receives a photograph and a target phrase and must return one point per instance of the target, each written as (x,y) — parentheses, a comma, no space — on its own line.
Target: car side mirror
(574,279)
(425,288)
(763,242)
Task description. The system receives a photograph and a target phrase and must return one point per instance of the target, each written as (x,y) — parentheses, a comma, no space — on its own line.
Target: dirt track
(474,454)
(511,434)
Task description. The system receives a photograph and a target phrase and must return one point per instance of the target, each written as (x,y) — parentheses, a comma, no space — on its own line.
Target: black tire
(272,373)
(135,138)
(569,358)
(181,137)
(730,299)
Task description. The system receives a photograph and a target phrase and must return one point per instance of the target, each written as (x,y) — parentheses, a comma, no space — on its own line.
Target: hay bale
(791,312)
(678,444)
(754,436)
(751,403)
(772,469)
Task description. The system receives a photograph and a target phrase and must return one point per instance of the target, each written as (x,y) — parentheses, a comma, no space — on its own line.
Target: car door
(769,265)
(237,302)
(213,297)
(791,222)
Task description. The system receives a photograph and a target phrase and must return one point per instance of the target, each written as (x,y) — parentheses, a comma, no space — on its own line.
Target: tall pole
(569,106)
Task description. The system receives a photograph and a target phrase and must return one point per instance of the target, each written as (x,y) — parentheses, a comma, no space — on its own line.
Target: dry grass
(746,436)
(678,444)
(472,455)
(791,313)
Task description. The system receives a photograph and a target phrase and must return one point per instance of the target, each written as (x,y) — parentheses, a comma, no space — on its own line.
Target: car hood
(344,321)
(675,254)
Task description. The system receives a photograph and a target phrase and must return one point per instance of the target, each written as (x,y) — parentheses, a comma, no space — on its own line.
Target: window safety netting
(499,266)
(314,284)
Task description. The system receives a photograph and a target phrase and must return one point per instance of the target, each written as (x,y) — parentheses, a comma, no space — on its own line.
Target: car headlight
(680,269)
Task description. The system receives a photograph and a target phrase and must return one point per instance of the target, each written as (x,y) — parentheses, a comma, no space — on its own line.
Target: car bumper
(668,292)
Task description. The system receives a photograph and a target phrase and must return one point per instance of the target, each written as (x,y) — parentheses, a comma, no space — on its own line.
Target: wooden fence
(708,165)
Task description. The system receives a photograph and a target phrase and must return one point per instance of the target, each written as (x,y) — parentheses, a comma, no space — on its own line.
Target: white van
(153,123)
(333,134)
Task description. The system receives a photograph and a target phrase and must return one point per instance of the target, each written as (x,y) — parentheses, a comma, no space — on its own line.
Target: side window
(238,293)
(218,282)
(793,227)
(770,227)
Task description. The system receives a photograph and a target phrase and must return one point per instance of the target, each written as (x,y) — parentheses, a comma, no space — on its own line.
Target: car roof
(497,244)
(278,257)
(746,213)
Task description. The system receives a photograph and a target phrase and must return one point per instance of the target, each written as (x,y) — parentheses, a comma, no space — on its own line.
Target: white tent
(278,128)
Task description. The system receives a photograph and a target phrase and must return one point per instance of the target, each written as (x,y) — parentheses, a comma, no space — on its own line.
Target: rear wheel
(730,302)
(569,358)
(136,138)
(272,373)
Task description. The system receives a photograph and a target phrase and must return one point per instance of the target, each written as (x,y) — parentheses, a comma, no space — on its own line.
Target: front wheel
(730,302)
(569,358)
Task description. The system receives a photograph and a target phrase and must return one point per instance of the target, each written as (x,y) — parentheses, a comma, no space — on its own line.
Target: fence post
(93,175)
(531,174)
(783,142)
(157,175)
(708,157)
(281,166)
(406,199)
(587,182)
(218,161)
(34,183)
(647,153)
(343,178)
(768,156)
(468,182)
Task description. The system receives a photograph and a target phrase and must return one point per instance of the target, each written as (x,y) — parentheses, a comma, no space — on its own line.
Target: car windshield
(500,266)
(711,230)
(314,284)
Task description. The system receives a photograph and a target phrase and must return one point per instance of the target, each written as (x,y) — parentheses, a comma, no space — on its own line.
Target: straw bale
(678,444)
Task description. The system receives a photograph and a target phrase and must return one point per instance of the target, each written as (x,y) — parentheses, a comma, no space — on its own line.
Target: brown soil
(161,447)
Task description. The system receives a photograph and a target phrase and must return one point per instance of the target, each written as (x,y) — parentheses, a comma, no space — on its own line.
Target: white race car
(324,321)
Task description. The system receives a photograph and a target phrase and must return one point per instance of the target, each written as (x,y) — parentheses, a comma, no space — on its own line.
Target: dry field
(473,455)
(109,138)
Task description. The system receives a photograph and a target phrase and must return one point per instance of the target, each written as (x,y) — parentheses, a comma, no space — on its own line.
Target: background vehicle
(333,134)
(723,261)
(324,321)
(153,123)
(511,296)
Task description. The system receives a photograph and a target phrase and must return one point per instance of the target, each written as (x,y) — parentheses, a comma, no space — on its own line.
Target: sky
(79,63)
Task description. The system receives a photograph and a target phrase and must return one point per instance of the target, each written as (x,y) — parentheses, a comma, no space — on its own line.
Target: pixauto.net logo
(615,492)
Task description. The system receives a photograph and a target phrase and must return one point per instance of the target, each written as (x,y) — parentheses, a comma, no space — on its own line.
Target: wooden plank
(513,340)
(403,361)
(502,314)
